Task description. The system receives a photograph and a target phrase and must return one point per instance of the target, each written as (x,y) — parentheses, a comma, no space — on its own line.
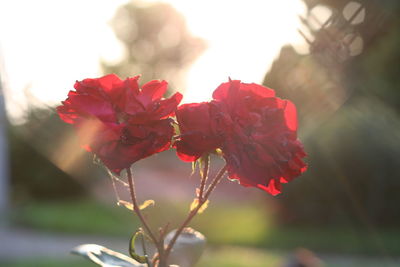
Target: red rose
(255,130)
(197,131)
(118,121)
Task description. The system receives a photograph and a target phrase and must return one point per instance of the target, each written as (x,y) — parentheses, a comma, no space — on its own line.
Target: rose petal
(152,91)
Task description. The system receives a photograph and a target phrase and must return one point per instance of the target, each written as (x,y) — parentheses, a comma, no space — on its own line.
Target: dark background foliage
(349,118)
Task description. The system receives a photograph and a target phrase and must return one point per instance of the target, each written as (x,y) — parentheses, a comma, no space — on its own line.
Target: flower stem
(214,183)
(193,213)
(159,244)
(204,175)
(145,250)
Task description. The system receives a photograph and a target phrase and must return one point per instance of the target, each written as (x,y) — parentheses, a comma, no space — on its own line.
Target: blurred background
(337,60)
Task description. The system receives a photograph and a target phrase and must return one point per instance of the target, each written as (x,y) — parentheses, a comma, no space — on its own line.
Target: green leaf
(134,255)
(146,204)
(104,256)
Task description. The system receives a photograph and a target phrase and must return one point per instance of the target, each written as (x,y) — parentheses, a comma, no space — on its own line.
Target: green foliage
(353,170)
(47,161)
(132,251)
(376,74)
(80,216)
(33,175)
(47,263)
(240,257)
(349,122)
(248,224)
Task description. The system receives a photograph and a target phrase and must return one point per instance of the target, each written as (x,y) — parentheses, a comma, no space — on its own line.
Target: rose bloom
(255,130)
(118,121)
(198,133)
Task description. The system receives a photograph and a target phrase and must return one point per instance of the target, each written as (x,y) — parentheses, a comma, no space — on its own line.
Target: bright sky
(45,45)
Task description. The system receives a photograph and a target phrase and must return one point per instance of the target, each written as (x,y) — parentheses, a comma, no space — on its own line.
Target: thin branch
(214,183)
(144,249)
(163,231)
(113,179)
(212,186)
(120,181)
(136,207)
(305,37)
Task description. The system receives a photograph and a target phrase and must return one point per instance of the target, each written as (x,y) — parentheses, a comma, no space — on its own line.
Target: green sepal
(132,253)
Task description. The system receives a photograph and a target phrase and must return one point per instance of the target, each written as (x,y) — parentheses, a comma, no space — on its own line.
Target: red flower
(255,130)
(198,132)
(118,121)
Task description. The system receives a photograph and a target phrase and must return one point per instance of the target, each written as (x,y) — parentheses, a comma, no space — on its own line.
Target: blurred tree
(46,159)
(4,175)
(156,41)
(347,92)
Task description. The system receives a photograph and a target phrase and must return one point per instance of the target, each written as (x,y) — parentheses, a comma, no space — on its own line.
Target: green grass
(240,225)
(84,217)
(335,239)
(226,256)
(48,263)
(240,257)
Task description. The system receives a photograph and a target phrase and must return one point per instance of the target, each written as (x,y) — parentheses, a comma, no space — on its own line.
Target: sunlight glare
(47,45)
(243,39)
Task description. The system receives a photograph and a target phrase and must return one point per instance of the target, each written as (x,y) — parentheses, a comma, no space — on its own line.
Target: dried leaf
(127,204)
(196,202)
(194,166)
(219,152)
(201,165)
(146,204)
(204,206)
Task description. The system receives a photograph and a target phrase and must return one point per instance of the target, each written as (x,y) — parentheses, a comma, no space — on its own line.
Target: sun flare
(243,38)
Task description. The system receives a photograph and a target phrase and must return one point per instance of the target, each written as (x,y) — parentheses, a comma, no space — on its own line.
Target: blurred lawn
(226,257)
(48,263)
(76,217)
(242,225)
